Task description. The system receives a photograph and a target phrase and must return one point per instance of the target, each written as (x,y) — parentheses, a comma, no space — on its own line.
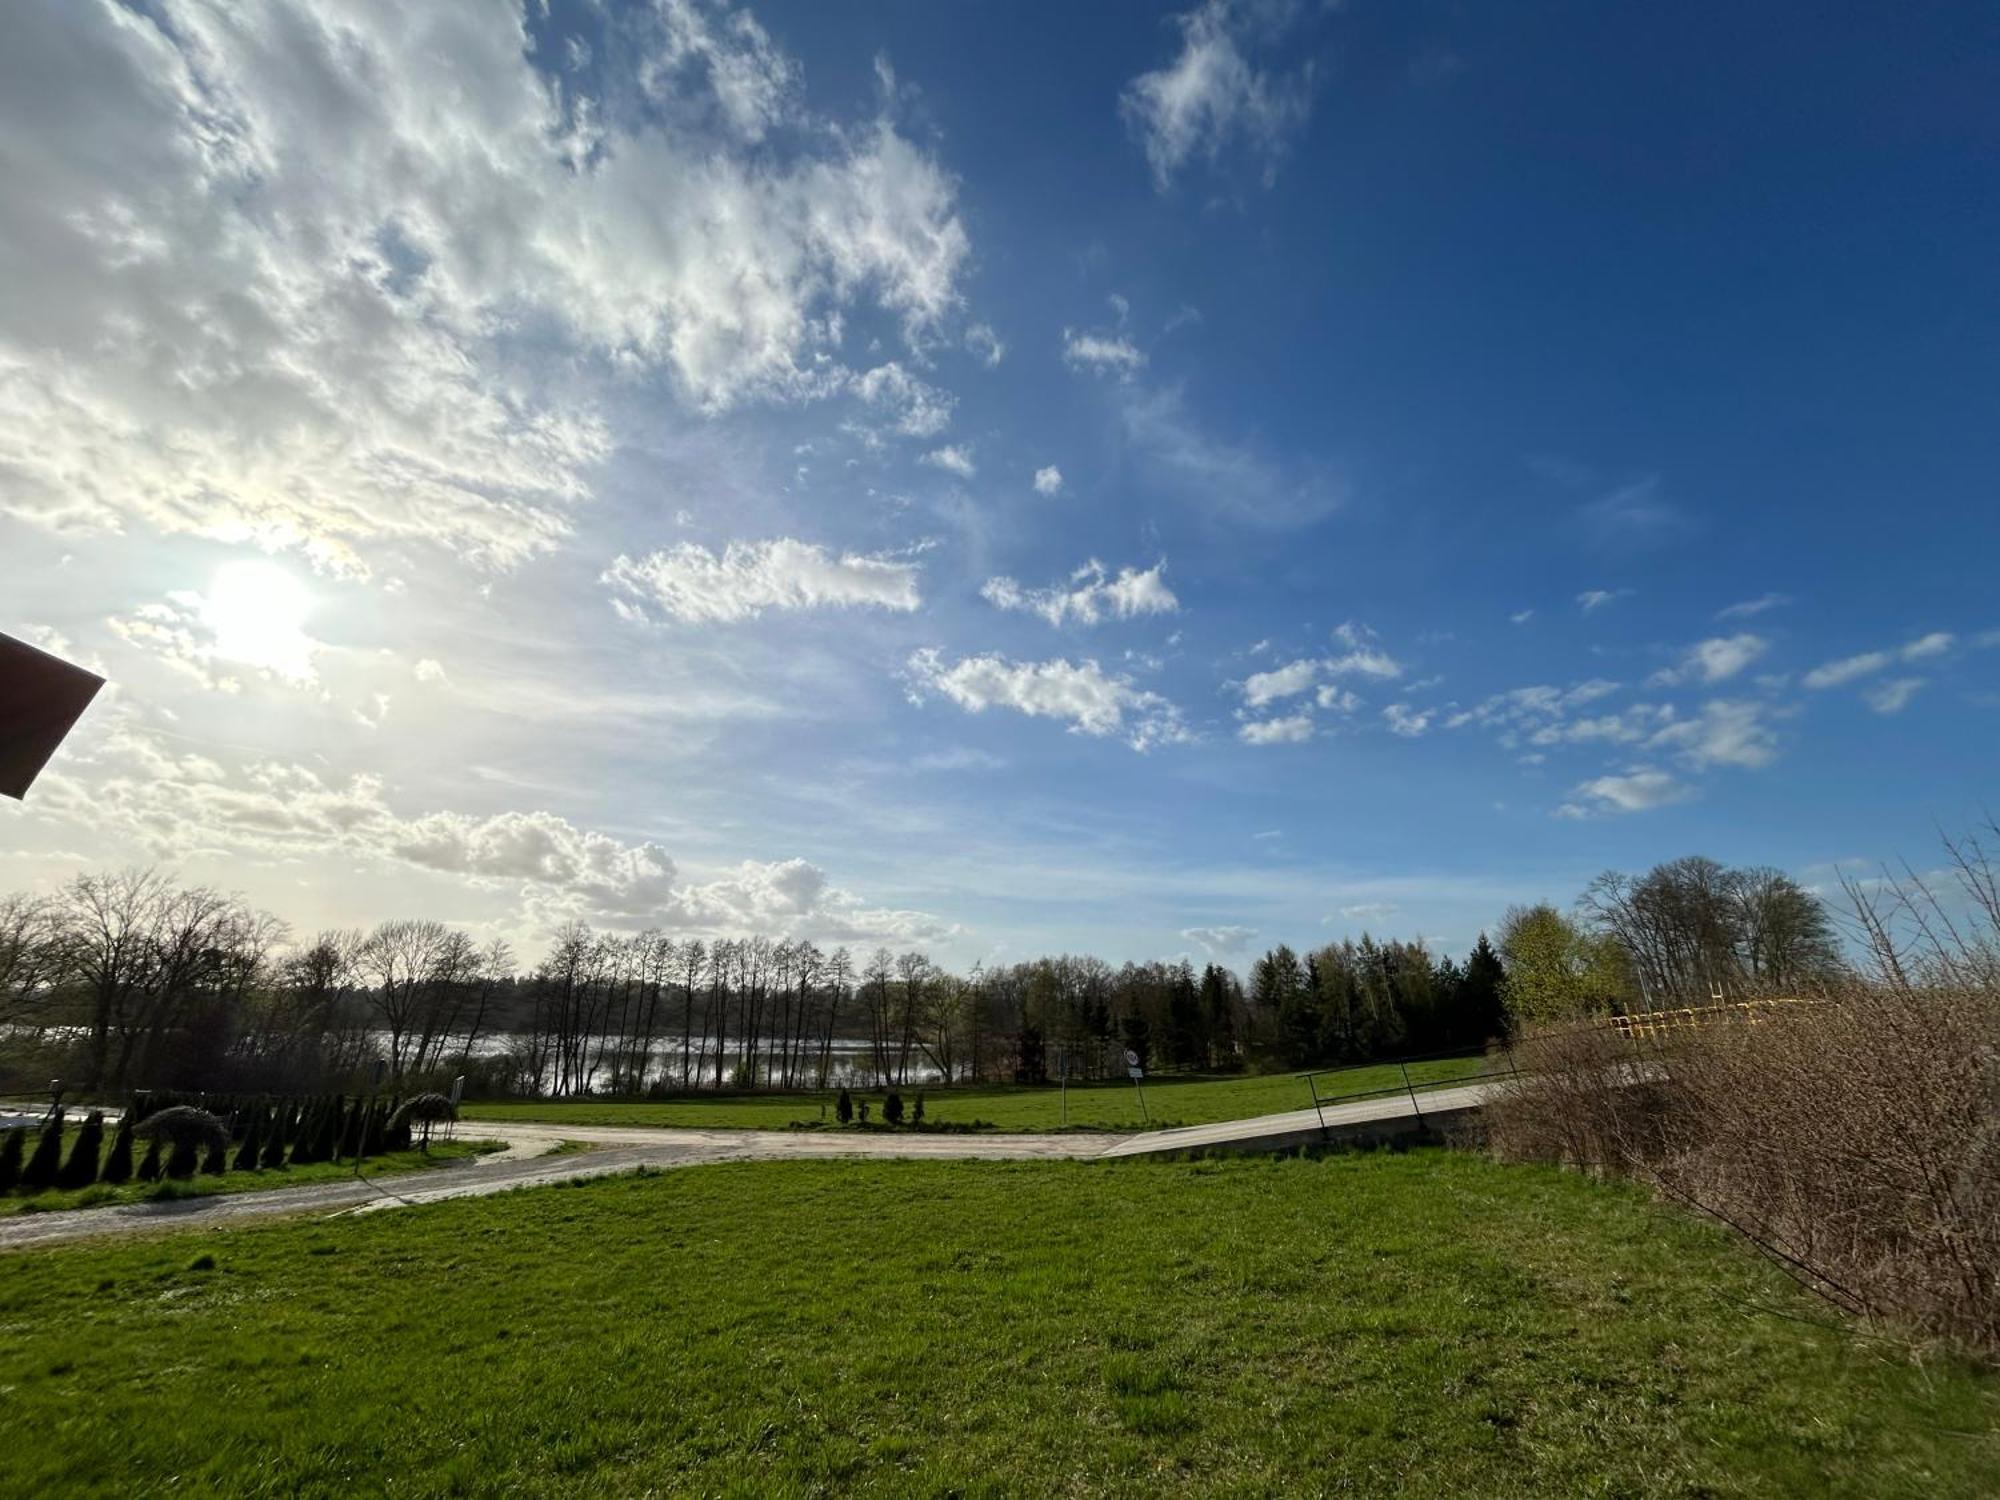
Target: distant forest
(134,980)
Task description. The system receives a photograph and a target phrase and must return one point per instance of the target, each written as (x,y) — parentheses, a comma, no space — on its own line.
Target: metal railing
(1501,1065)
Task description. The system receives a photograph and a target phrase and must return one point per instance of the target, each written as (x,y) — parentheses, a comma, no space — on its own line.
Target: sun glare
(257,612)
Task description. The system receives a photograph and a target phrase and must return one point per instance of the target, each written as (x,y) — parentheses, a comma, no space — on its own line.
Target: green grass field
(442,1153)
(1106,1106)
(1428,1323)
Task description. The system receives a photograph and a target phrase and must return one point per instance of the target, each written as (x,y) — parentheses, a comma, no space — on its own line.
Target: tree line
(132,979)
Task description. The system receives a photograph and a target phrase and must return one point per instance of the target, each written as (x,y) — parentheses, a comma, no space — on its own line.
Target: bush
(40,1172)
(843,1107)
(1855,1141)
(190,1134)
(118,1165)
(149,1164)
(216,1160)
(79,1169)
(10,1158)
(892,1108)
(917,1116)
(425,1111)
(275,1140)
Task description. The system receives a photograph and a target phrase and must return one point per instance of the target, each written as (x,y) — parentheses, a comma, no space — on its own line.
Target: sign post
(1137,1074)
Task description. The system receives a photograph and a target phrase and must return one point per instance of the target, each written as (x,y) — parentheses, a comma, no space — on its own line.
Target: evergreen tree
(843,1107)
(149,1164)
(1032,1056)
(40,1172)
(10,1158)
(328,1148)
(892,1108)
(80,1169)
(305,1136)
(118,1165)
(1186,1035)
(917,1118)
(216,1161)
(374,1138)
(1482,993)
(1218,1008)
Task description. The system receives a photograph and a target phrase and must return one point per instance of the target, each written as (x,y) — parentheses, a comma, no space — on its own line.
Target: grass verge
(1427,1323)
(389,1164)
(1104,1106)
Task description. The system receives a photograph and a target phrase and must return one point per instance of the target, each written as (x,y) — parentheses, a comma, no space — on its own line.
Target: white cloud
(1211,95)
(1714,660)
(1893,696)
(431,670)
(1638,789)
(332,276)
(690,583)
(1522,616)
(1090,595)
(985,345)
(1596,599)
(1295,677)
(1102,353)
(1220,939)
(955,458)
(174,805)
(1092,701)
(1868,663)
(1847,669)
(1048,480)
(1370,911)
(1726,733)
(1295,729)
(1337,698)
(1287,681)
(1406,721)
(916,409)
(1751,607)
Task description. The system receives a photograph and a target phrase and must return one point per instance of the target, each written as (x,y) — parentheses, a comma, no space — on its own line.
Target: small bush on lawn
(250,1152)
(149,1164)
(892,1108)
(843,1107)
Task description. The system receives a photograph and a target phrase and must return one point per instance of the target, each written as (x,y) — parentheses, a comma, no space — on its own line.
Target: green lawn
(442,1153)
(1105,1106)
(1423,1324)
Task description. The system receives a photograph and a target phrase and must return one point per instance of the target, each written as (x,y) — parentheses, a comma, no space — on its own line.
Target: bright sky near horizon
(998,478)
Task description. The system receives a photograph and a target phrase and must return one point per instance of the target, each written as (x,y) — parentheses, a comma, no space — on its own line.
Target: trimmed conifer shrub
(149,1164)
(253,1143)
(10,1158)
(79,1168)
(40,1172)
(327,1148)
(892,1108)
(216,1160)
(374,1135)
(305,1134)
(350,1131)
(118,1165)
(275,1137)
(917,1117)
(843,1107)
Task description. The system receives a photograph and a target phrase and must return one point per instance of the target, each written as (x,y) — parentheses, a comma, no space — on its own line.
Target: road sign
(1131,1058)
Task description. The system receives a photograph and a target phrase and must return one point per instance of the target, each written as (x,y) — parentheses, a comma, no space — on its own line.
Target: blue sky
(1119,478)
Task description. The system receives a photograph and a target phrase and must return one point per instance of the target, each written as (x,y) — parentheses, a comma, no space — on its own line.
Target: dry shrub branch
(1855,1139)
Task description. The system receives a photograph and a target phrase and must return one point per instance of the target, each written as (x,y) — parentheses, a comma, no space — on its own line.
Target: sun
(257,613)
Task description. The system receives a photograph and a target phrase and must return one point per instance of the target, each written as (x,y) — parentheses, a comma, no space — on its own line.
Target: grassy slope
(442,1153)
(1169,1101)
(1420,1324)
